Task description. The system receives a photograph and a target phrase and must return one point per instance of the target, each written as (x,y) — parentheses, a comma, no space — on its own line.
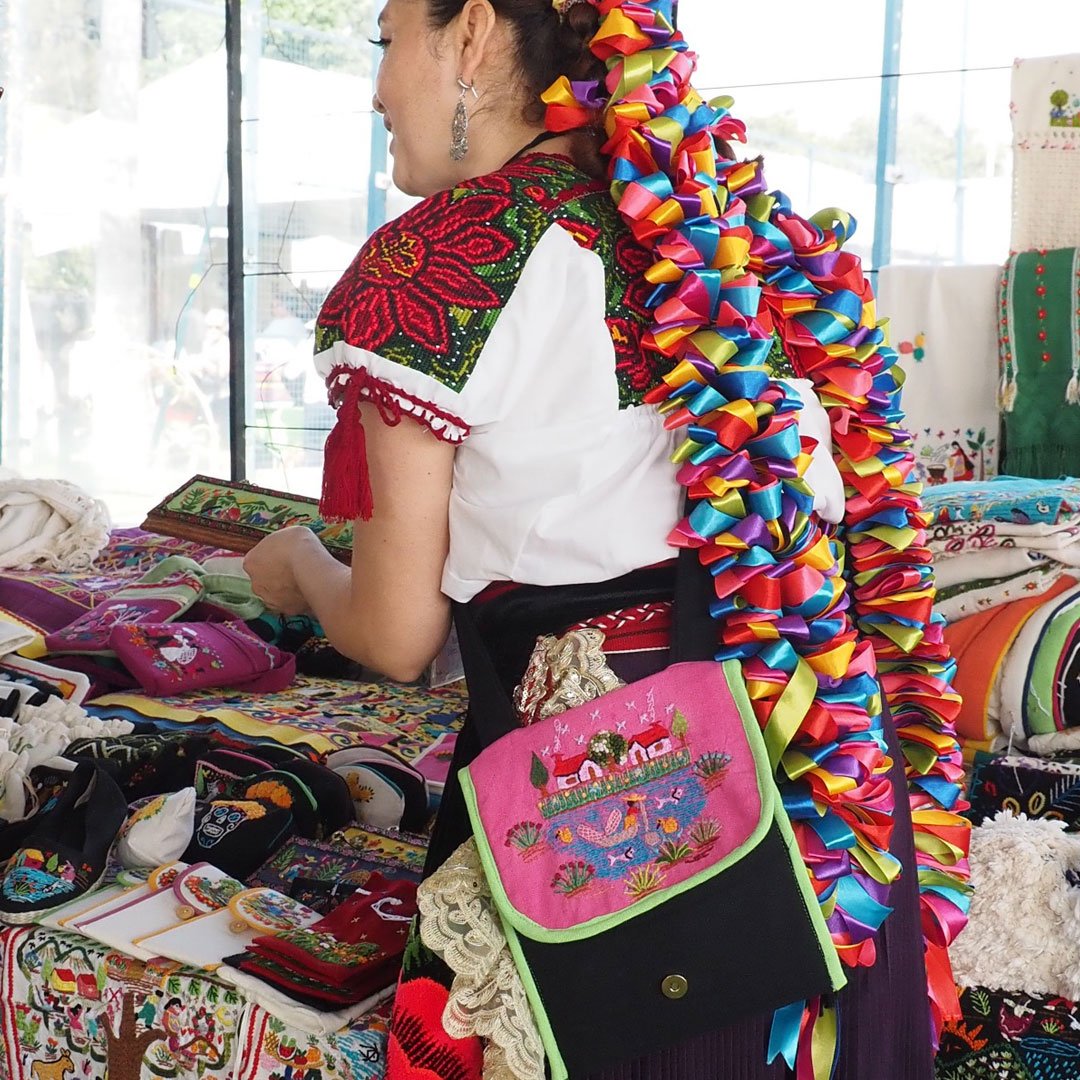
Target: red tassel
(346,487)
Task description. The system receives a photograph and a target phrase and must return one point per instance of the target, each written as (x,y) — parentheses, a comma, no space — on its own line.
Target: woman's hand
(274,568)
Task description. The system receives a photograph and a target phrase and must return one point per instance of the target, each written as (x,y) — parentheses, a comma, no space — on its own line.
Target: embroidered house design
(649,744)
(629,808)
(569,772)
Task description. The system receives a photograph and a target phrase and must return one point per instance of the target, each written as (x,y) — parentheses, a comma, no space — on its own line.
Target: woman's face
(416,91)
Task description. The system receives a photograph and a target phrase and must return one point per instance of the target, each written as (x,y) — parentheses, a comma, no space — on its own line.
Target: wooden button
(674,987)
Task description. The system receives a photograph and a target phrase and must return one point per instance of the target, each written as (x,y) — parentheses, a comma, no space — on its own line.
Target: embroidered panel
(426,290)
(324,714)
(636,792)
(271,1049)
(70,1008)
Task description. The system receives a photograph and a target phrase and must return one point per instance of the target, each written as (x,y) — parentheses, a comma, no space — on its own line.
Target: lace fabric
(459,923)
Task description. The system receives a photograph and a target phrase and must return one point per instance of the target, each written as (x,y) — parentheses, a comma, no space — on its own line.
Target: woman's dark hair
(548,45)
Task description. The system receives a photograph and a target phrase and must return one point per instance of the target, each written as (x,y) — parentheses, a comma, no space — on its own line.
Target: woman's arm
(388,610)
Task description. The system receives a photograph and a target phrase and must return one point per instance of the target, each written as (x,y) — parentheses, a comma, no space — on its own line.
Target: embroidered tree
(128,1046)
(679,726)
(607,748)
(538,774)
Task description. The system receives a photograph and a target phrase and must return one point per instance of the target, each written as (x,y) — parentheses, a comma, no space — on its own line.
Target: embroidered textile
(1045,110)
(427,288)
(271,1049)
(1010,1036)
(322,714)
(71,1007)
(1040,362)
(943,322)
(1034,787)
(1016,504)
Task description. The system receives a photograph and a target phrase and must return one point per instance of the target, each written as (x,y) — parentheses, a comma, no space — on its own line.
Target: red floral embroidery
(412,270)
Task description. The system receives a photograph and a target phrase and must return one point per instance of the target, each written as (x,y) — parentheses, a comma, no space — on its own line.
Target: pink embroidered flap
(608,809)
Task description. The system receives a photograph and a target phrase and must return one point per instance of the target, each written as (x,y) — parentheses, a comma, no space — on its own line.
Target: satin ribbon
(734,264)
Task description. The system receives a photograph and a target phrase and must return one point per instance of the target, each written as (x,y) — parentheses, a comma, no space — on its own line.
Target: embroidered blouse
(506,315)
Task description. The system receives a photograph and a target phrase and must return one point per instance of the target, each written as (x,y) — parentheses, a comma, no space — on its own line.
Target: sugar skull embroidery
(223,818)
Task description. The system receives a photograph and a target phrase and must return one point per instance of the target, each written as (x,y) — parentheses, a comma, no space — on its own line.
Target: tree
(128,1046)
(538,774)
(679,726)
(1059,99)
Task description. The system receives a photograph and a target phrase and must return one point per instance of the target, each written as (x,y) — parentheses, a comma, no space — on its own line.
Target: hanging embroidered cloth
(1045,111)
(942,321)
(1040,363)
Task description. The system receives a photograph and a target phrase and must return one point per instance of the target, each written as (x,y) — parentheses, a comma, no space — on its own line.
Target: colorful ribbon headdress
(735,271)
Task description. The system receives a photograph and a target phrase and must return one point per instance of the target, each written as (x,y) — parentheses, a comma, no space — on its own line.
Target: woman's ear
(477,34)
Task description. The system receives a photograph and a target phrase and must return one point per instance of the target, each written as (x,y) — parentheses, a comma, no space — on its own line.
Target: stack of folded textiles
(1001,540)
(346,958)
(1007,563)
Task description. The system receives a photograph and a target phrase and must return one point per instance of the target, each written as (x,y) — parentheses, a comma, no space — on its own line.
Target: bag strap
(693,637)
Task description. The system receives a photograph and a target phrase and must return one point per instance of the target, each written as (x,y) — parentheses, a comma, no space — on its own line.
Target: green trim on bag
(558,1067)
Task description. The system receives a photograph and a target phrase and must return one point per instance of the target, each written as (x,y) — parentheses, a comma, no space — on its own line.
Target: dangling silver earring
(459,126)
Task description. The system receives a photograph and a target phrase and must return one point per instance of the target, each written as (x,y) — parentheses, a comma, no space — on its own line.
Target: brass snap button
(674,987)
(185,912)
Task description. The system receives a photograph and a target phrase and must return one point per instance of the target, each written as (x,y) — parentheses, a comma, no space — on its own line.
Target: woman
(498,342)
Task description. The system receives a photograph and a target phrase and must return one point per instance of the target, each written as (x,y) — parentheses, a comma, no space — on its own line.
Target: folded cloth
(981,566)
(14,636)
(980,644)
(1040,690)
(163,594)
(50,523)
(305,1018)
(948,540)
(349,954)
(1010,500)
(969,597)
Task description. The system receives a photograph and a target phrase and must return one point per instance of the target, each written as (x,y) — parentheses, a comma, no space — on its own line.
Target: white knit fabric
(1046,153)
(33,737)
(49,524)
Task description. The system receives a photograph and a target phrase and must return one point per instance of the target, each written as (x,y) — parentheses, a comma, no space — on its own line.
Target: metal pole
(884,175)
(235,268)
(961,148)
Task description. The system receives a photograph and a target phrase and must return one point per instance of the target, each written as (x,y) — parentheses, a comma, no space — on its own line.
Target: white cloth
(1046,153)
(943,322)
(304,1017)
(554,484)
(52,524)
(13,637)
(38,734)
